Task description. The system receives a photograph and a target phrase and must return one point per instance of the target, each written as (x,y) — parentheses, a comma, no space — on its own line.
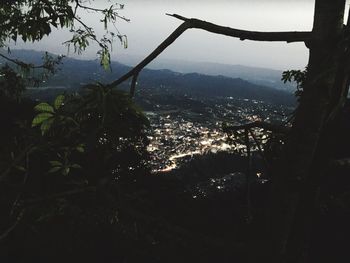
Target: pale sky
(149,26)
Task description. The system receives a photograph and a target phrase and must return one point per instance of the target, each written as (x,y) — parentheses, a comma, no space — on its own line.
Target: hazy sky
(149,26)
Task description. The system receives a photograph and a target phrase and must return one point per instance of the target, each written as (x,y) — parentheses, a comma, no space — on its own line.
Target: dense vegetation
(62,162)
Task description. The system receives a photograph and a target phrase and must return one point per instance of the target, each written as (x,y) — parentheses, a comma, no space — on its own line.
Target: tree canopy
(31,20)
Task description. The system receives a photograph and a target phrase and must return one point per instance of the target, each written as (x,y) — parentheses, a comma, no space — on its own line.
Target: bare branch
(167,42)
(213,28)
(5,234)
(260,149)
(23,64)
(25,179)
(293,36)
(78,4)
(4,174)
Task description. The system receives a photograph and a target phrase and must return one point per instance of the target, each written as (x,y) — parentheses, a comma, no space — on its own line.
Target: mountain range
(256,75)
(74,73)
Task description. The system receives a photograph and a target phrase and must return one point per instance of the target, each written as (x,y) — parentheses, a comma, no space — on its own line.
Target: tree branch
(4,174)
(5,234)
(213,28)
(23,64)
(133,85)
(260,150)
(78,4)
(293,36)
(167,42)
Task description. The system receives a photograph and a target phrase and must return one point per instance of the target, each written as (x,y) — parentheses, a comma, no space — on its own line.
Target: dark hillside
(75,73)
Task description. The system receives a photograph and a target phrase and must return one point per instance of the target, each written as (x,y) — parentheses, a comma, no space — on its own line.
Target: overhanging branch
(213,28)
(23,64)
(293,36)
(167,42)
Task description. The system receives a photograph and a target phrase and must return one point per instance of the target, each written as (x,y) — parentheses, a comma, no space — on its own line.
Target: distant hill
(75,73)
(199,85)
(256,75)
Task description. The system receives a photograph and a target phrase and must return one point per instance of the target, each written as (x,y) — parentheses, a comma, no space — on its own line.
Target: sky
(149,26)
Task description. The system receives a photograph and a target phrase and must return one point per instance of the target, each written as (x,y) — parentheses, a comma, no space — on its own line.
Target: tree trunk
(291,185)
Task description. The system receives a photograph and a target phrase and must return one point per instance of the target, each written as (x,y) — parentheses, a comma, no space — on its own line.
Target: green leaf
(44,107)
(125,42)
(105,59)
(20,168)
(55,163)
(66,171)
(80,148)
(54,169)
(76,166)
(58,102)
(46,125)
(40,118)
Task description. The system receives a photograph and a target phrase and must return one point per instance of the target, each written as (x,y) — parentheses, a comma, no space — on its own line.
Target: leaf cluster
(93,140)
(12,84)
(101,120)
(297,76)
(31,20)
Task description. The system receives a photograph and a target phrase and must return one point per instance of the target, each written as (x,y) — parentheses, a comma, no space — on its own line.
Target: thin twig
(90,31)
(260,149)
(19,195)
(78,4)
(15,162)
(23,64)
(12,227)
